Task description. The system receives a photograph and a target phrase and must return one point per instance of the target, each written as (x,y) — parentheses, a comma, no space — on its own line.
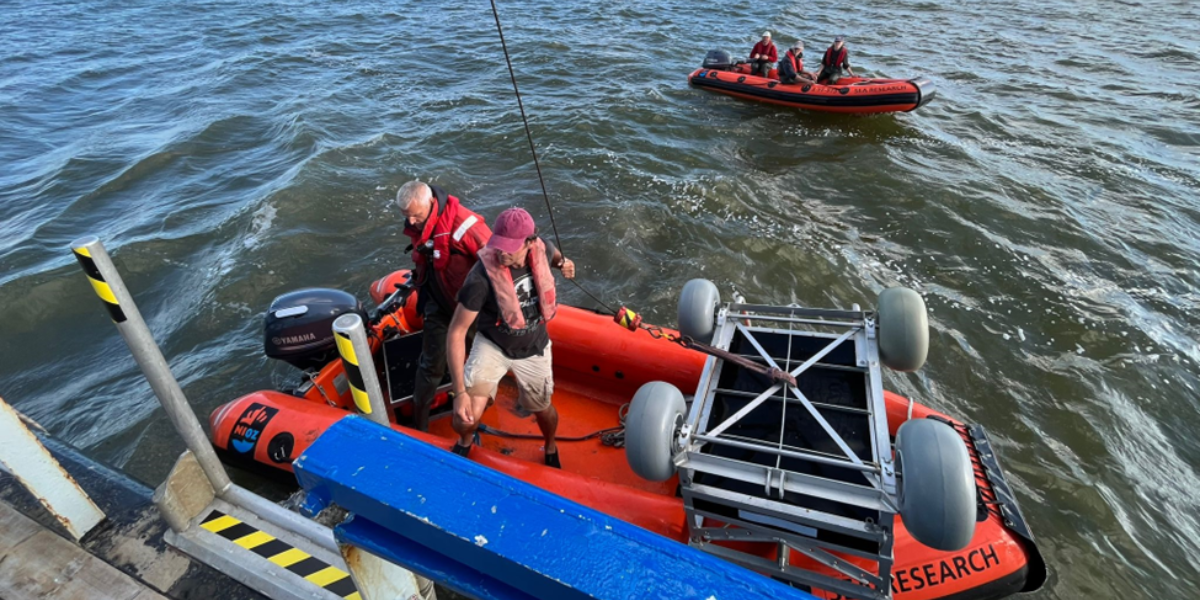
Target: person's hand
(462,407)
(568,268)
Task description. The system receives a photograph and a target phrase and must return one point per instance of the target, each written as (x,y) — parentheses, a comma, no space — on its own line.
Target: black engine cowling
(719,60)
(299,326)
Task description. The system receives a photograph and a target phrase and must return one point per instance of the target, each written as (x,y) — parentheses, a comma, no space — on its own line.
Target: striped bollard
(351,336)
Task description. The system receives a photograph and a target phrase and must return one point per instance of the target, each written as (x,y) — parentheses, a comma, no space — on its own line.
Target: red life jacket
(506,293)
(458,234)
(797,62)
(835,58)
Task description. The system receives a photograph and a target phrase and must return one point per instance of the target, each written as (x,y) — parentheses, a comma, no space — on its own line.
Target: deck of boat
(579,414)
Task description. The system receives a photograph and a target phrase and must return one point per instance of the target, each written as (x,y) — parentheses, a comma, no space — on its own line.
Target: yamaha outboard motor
(299,326)
(719,60)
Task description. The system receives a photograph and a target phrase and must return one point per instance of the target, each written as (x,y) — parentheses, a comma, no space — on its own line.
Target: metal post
(351,336)
(102,274)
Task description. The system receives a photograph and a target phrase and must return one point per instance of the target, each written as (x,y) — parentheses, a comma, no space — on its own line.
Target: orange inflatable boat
(856,95)
(598,367)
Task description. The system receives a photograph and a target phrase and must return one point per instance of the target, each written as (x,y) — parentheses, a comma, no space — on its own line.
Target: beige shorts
(487,365)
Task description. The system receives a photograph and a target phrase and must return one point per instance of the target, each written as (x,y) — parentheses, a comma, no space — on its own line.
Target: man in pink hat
(511,291)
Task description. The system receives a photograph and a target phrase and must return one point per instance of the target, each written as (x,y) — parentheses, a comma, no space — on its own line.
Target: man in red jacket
(763,56)
(446,239)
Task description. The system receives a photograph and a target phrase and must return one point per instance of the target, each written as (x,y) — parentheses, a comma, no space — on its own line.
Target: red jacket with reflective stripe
(458,234)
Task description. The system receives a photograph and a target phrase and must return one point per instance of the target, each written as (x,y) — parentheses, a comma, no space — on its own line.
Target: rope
(610,309)
(611,436)
(776,375)
(313,378)
(533,151)
(528,133)
(537,436)
(616,439)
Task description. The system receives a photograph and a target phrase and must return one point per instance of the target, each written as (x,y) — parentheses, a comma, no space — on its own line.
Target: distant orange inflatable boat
(595,374)
(855,95)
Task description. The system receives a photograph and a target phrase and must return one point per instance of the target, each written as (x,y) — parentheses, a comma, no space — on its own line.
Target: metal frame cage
(808,467)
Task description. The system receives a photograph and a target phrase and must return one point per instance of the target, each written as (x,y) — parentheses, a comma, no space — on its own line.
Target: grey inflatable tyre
(937,485)
(903,329)
(655,415)
(698,309)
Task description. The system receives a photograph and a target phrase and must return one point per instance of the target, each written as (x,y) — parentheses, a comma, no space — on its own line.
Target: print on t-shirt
(527,297)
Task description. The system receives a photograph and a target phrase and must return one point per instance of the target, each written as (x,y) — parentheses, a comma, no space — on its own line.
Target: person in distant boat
(763,56)
(791,68)
(511,291)
(835,63)
(446,239)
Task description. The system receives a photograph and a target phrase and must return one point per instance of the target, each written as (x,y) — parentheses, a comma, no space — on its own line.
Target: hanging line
(624,317)
(533,150)
(528,133)
(610,309)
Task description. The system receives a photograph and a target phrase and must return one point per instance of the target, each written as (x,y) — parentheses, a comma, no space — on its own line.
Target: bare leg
(466,431)
(547,421)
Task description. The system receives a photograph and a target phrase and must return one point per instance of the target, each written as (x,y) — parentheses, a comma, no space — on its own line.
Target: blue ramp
(488,535)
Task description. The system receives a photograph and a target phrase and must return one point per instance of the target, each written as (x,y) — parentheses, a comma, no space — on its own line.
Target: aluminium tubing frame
(107,282)
(111,289)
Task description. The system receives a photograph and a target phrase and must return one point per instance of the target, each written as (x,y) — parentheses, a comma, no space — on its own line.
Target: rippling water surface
(1044,204)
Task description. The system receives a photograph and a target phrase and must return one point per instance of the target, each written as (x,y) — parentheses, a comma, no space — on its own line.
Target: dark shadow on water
(772,139)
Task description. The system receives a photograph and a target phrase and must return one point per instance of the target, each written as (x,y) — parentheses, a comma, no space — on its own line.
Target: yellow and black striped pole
(351,336)
(107,284)
(83,254)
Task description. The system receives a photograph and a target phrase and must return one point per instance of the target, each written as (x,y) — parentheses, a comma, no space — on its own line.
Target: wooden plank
(44,566)
(14,528)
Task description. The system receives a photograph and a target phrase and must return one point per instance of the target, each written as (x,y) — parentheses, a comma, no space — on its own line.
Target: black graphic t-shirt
(477,295)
